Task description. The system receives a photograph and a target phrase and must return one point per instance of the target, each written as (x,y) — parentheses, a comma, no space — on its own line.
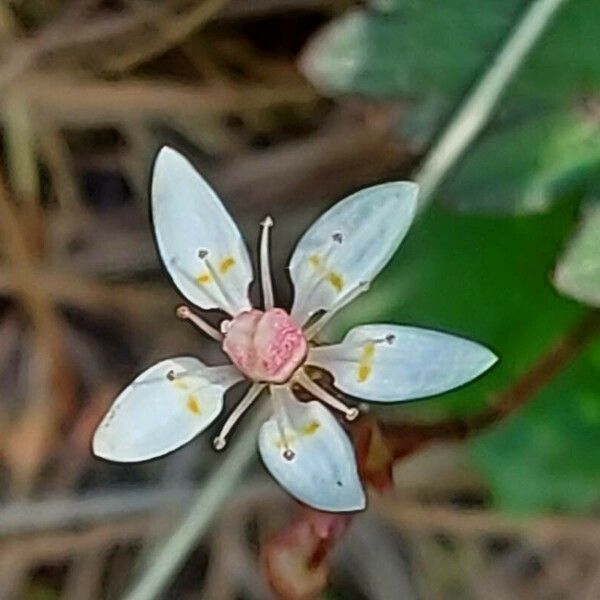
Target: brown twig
(71,99)
(170,32)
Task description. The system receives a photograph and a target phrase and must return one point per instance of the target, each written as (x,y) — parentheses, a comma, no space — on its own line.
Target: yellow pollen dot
(368,351)
(336,280)
(204,278)
(193,405)
(314,260)
(363,373)
(366,360)
(226,264)
(311,428)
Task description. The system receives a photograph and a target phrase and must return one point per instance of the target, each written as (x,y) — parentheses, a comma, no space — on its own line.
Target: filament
(242,406)
(265,270)
(350,295)
(350,413)
(185,313)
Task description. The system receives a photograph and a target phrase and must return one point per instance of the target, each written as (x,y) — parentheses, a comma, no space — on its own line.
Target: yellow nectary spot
(368,351)
(226,264)
(193,405)
(181,384)
(204,278)
(336,280)
(366,361)
(363,373)
(311,428)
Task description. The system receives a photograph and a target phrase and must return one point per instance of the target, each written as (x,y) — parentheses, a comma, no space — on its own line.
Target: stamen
(184,313)
(349,296)
(350,413)
(281,417)
(242,406)
(265,270)
(203,254)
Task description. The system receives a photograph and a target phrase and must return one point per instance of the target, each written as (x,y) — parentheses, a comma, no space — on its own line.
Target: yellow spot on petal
(363,373)
(204,278)
(311,428)
(193,405)
(368,351)
(226,264)
(336,280)
(180,383)
(365,365)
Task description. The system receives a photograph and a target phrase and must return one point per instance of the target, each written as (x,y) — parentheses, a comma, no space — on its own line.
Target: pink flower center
(266,346)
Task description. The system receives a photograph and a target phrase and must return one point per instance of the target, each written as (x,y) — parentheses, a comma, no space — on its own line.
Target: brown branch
(75,100)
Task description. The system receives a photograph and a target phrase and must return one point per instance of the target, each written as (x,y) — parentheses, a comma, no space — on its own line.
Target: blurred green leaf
(547,456)
(578,271)
(564,68)
(524,167)
(427,54)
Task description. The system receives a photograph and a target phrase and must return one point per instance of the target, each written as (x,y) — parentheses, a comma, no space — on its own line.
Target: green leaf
(578,271)
(547,456)
(564,68)
(526,166)
(429,53)
(426,52)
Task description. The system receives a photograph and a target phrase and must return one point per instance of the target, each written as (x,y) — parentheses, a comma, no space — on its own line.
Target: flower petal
(387,363)
(156,413)
(200,245)
(322,472)
(349,244)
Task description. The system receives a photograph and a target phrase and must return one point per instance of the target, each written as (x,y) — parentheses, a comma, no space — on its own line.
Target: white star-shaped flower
(302,444)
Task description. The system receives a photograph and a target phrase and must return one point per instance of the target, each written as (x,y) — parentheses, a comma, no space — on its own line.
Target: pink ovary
(266,346)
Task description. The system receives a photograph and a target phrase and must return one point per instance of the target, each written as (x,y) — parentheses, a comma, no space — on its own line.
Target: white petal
(322,472)
(350,244)
(189,220)
(155,415)
(386,363)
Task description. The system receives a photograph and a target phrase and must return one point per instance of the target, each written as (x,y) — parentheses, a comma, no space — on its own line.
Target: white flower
(302,444)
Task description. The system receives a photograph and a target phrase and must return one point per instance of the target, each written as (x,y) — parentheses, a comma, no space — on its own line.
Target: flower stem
(163,564)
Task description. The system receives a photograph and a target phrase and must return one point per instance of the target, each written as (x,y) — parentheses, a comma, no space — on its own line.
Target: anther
(202,253)
(219,443)
(173,376)
(337,237)
(289,454)
(352,414)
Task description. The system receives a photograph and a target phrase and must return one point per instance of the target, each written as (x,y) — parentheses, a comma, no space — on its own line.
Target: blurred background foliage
(286,106)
